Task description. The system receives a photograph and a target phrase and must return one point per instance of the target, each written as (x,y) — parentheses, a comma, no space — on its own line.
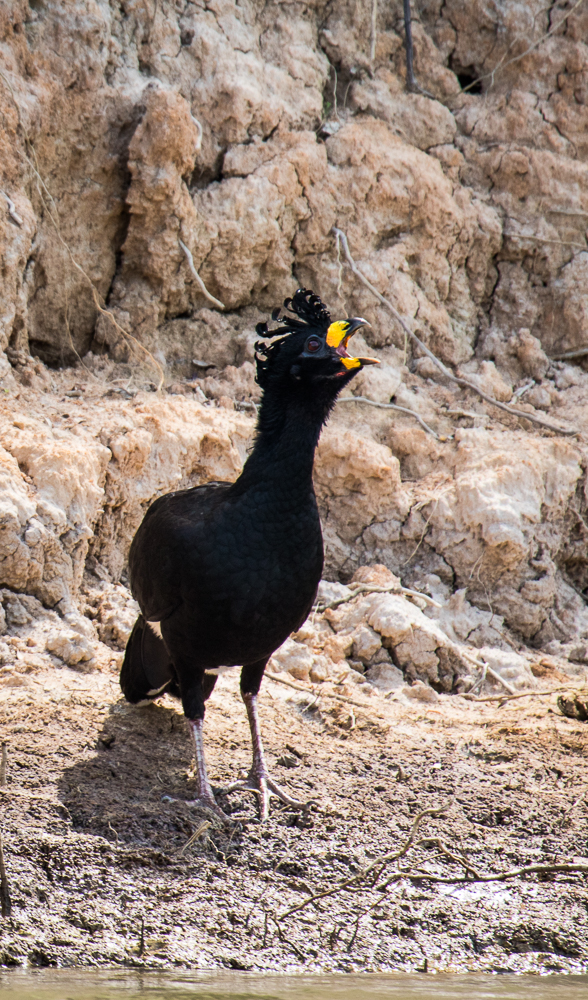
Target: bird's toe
(205,802)
(261,784)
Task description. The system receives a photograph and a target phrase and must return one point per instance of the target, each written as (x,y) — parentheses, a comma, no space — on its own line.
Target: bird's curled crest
(312,314)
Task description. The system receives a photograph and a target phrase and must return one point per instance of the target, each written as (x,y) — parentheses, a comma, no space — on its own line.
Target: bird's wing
(158,549)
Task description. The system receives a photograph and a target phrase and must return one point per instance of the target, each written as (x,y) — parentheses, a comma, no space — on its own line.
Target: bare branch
(582,352)
(199,280)
(374,32)
(520,414)
(374,866)
(393,406)
(535,45)
(5,901)
(501,876)
(519,694)
(317,693)
(12,210)
(411,83)
(368,588)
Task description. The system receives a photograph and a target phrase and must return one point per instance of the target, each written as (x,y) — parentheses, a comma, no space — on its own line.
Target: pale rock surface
(509,665)
(385,677)
(420,692)
(329,591)
(70,647)
(219,126)
(293,657)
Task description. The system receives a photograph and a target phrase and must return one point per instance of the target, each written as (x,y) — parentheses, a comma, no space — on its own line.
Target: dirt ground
(103,870)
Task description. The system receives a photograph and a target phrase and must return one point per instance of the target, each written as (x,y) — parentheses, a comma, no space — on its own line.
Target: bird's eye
(313,345)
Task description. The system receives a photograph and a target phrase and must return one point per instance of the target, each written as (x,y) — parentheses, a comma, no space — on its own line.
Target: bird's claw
(261,784)
(206,802)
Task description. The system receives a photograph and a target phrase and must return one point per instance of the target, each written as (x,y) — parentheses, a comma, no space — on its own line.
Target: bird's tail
(147,670)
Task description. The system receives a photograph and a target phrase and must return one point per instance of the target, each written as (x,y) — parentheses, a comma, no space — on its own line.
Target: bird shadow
(121,790)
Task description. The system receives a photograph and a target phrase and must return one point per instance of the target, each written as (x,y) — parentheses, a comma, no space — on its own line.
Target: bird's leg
(205,795)
(258,780)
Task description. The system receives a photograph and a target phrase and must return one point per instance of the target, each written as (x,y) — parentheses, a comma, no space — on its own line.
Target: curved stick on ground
(519,694)
(201,285)
(442,368)
(375,867)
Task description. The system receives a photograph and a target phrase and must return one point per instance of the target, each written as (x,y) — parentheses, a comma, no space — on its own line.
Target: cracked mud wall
(248,131)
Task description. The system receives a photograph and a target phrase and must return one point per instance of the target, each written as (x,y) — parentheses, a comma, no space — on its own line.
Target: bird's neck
(288,431)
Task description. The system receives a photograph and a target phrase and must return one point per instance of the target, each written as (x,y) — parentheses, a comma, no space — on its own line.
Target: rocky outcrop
(247,132)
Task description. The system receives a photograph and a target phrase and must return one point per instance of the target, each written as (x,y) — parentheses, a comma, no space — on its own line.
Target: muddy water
(129,985)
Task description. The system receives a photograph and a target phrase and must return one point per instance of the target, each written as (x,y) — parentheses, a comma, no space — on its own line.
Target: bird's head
(312,351)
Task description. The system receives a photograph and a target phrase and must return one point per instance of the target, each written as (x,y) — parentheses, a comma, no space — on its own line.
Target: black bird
(224,572)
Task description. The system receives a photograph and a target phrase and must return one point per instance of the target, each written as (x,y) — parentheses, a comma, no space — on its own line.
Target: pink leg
(205,795)
(258,780)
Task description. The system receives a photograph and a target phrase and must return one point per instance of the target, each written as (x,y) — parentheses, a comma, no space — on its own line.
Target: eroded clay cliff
(247,132)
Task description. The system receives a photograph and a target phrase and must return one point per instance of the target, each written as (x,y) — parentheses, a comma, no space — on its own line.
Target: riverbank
(102,871)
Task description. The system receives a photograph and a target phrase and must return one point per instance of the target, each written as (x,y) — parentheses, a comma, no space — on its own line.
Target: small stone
(376,576)
(319,671)
(16,613)
(420,692)
(385,677)
(357,665)
(72,648)
(294,658)
(366,643)
(329,592)
(539,397)
(337,647)
(382,656)
(578,654)
(287,760)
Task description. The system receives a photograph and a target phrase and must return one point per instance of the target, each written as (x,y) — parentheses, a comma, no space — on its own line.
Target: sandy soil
(94,854)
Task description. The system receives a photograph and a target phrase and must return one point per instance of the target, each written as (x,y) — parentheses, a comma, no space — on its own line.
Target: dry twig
(5,901)
(202,828)
(201,285)
(12,210)
(411,83)
(535,45)
(3,761)
(519,694)
(580,353)
(368,588)
(367,878)
(373,32)
(464,383)
(487,671)
(499,876)
(322,694)
(393,406)
(373,871)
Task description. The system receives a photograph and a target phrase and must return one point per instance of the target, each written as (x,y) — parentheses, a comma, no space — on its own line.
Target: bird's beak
(339,335)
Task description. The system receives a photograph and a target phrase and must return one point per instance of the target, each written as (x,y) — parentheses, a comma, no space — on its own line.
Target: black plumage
(224,572)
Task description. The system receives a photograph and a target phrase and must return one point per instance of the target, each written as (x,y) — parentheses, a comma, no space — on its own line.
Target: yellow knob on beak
(339,335)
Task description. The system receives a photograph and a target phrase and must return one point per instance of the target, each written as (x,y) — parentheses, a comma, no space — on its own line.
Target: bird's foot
(206,802)
(261,784)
